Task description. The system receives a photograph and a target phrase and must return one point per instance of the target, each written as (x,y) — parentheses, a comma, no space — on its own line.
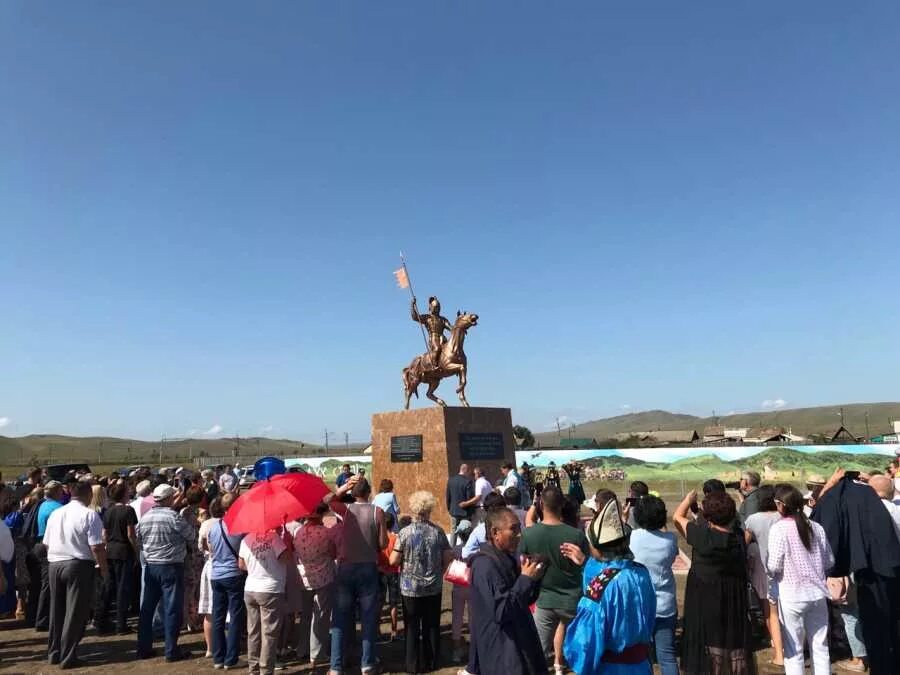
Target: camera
(733,485)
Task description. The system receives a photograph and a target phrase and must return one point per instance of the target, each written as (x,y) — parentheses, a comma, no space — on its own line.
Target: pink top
(800,573)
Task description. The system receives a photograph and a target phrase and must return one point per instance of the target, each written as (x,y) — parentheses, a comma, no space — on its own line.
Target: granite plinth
(449,437)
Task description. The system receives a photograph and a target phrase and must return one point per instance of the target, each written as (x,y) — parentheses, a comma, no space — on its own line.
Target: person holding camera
(717,632)
(504,638)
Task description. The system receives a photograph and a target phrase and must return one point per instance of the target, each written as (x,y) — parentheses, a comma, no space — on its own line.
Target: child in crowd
(389,575)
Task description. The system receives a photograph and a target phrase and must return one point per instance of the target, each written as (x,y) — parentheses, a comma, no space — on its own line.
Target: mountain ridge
(802,421)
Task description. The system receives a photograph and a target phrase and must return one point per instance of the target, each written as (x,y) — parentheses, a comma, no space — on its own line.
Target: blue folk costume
(613,624)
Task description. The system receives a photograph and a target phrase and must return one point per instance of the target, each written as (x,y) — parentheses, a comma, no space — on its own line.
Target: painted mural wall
(792,463)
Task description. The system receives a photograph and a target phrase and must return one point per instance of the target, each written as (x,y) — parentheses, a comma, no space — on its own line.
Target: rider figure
(435,324)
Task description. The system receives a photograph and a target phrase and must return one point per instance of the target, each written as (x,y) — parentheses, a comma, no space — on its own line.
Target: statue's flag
(402,277)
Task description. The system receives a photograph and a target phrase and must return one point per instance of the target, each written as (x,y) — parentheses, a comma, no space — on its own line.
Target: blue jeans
(664,640)
(853,629)
(356,583)
(166,583)
(158,617)
(228,598)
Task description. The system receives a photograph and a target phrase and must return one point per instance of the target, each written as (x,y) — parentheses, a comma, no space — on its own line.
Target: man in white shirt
(228,481)
(265,558)
(74,541)
(7,547)
(140,504)
(483,488)
(510,477)
(884,488)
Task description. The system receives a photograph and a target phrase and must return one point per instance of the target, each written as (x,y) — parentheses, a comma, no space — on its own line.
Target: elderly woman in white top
(798,558)
(264,557)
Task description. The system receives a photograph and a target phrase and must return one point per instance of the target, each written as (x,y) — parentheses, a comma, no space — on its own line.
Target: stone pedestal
(420,449)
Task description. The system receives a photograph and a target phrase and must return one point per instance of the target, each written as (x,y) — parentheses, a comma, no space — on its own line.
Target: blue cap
(266,467)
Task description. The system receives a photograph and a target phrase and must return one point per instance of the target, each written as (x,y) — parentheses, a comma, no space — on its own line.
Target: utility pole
(867,426)
(346,441)
(842,416)
(558,432)
(100,453)
(326,439)
(162,444)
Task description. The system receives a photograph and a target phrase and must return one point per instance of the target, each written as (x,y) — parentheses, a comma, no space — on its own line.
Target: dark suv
(59,471)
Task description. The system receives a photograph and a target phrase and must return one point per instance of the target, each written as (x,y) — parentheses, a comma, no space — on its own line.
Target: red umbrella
(270,503)
(306,487)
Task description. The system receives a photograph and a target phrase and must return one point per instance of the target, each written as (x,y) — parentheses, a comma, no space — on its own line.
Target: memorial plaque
(406,448)
(480,446)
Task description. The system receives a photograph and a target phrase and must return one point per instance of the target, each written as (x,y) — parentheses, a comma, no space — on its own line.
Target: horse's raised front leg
(461,389)
(432,385)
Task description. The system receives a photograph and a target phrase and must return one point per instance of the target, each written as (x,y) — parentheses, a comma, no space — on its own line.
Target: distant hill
(613,462)
(825,462)
(803,421)
(48,448)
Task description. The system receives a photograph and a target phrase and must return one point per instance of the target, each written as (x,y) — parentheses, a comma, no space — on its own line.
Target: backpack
(29,525)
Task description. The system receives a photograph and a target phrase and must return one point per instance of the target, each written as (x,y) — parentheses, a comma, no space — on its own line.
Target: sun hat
(162,492)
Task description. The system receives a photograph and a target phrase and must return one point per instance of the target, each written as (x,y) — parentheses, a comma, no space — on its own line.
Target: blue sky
(650,205)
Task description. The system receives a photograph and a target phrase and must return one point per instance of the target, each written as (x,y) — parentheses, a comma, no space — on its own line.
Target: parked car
(59,471)
(246,477)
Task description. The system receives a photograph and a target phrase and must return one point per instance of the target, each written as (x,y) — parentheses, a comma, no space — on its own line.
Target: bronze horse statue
(452,361)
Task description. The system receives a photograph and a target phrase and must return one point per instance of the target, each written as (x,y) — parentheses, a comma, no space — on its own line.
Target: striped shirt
(164,536)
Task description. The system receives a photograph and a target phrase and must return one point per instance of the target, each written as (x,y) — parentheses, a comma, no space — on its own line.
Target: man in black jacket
(504,638)
(862,537)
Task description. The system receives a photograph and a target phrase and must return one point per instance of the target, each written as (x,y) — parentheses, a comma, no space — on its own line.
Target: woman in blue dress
(613,624)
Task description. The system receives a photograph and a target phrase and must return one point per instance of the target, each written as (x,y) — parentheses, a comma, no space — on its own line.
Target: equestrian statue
(445,356)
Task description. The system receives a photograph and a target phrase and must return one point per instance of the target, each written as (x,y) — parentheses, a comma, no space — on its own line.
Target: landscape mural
(792,463)
(788,463)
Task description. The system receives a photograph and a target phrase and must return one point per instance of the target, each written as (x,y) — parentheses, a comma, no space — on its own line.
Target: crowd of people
(547,580)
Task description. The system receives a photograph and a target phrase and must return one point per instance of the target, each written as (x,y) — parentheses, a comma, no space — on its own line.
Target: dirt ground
(24,651)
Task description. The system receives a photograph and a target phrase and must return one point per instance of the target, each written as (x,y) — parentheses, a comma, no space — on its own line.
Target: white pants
(802,621)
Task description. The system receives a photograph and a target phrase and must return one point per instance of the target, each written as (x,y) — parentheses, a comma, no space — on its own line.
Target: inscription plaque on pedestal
(481,446)
(406,448)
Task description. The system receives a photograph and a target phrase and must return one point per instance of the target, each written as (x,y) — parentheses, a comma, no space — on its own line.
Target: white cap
(162,492)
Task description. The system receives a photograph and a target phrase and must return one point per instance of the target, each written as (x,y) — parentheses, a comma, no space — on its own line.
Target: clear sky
(650,205)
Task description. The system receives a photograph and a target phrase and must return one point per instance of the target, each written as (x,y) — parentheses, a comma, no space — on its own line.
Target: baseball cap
(464,527)
(162,492)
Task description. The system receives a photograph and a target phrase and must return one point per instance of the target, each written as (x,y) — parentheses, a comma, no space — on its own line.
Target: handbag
(458,573)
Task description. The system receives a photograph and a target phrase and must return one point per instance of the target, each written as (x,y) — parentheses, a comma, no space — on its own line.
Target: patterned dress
(193,566)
